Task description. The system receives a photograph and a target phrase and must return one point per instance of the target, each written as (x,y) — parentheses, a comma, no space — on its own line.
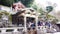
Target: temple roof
(18,5)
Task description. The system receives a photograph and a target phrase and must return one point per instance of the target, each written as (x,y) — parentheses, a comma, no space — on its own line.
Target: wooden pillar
(25,24)
(36,22)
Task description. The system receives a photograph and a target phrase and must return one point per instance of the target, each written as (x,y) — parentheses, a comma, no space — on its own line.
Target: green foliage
(34,6)
(38,9)
(6,2)
(49,8)
(0,15)
(27,3)
(50,16)
(7,14)
(10,17)
(41,10)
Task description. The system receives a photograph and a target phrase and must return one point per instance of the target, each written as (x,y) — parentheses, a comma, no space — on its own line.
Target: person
(33,25)
(48,24)
(40,23)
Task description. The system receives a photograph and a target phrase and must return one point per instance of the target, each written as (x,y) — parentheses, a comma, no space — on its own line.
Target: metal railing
(13,30)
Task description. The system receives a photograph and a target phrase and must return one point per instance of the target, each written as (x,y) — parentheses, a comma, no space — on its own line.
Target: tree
(27,3)
(43,13)
(34,6)
(49,8)
(0,14)
(6,2)
(7,14)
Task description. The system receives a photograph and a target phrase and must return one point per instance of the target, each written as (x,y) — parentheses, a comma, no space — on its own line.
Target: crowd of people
(49,27)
